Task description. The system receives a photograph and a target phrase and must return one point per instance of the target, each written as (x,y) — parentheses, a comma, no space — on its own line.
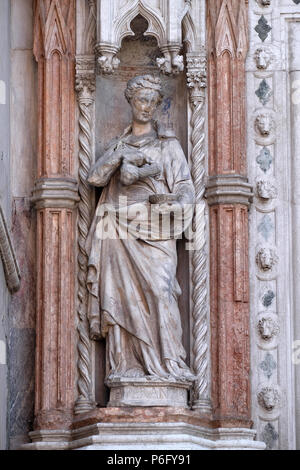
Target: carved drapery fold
(10,264)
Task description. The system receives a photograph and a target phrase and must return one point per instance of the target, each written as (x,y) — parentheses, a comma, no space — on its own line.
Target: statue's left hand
(95,330)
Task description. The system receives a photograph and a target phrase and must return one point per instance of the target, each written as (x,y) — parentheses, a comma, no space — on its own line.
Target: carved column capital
(197,75)
(85,83)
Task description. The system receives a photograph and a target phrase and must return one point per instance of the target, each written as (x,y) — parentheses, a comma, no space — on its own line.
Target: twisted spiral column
(85,88)
(197,82)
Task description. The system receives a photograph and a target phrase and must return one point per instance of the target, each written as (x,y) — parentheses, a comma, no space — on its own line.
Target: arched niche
(137,56)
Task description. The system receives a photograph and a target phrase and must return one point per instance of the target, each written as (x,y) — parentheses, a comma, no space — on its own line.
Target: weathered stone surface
(5,205)
(137,392)
(21,384)
(22,26)
(229,282)
(54,51)
(23,303)
(273,156)
(24,121)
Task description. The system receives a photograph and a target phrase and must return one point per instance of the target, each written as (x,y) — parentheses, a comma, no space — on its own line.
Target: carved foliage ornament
(196,73)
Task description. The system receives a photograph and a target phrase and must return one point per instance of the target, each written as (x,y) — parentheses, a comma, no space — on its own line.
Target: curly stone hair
(143,81)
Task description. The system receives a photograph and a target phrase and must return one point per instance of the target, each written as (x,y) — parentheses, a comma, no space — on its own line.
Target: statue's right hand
(135,157)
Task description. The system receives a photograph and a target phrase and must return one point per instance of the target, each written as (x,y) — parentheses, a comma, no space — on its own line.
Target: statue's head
(144,94)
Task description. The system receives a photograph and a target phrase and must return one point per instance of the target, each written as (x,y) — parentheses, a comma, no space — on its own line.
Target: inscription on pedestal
(143,393)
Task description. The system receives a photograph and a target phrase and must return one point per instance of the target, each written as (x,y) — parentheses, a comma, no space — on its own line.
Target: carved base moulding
(126,392)
(146,436)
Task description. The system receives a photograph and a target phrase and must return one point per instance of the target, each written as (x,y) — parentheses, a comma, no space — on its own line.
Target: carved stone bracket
(10,265)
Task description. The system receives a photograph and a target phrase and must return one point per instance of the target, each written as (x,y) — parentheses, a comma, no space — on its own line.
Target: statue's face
(144,104)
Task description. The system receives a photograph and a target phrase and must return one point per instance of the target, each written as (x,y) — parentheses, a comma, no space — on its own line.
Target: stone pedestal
(145,428)
(143,392)
(146,436)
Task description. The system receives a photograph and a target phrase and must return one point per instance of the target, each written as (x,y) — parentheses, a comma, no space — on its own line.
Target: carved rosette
(196,82)
(85,87)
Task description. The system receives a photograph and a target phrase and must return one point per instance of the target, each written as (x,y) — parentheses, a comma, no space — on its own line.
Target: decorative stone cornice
(231,189)
(10,265)
(55,193)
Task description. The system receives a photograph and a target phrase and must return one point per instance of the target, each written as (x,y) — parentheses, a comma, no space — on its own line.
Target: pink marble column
(228,194)
(55,196)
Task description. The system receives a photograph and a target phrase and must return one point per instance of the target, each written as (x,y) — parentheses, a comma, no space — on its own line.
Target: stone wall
(23,156)
(5,203)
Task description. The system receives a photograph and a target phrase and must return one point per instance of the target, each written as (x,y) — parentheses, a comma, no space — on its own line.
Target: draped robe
(132,282)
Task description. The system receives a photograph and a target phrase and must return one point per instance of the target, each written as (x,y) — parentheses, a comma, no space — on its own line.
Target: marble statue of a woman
(133,290)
